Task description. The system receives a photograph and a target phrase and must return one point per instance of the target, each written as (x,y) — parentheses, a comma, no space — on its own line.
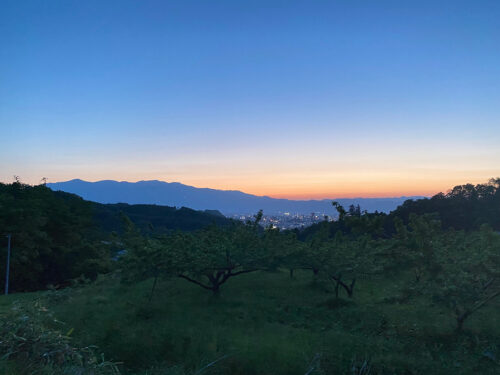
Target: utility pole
(8,266)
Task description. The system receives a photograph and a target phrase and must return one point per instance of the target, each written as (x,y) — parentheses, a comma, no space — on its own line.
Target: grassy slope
(269,324)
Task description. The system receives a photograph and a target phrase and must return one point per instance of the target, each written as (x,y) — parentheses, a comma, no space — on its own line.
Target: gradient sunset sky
(297,99)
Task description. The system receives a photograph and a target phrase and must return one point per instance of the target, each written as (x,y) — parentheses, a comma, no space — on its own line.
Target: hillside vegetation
(368,294)
(151,218)
(58,236)
(464,207)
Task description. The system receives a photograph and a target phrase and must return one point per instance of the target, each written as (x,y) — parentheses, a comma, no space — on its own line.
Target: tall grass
(265,323)
(31,343)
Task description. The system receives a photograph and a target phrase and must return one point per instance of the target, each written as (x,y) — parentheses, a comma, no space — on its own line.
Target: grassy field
(267,323)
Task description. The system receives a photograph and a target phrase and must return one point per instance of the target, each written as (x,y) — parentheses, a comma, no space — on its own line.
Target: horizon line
(243,192)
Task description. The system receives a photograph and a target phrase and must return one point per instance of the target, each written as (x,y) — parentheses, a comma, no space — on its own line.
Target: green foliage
(207,258)
(340,259)
(31,344)
(412,286)
(456,269)
(53,239)
(347,261)
(266,323)
(153,219)
(284,249)
(58,236)
(464,272)
(464,207)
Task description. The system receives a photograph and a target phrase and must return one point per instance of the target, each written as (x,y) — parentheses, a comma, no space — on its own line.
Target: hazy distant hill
(226,201)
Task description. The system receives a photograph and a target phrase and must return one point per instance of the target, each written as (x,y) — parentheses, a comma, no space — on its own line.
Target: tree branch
(194,281)
(478,305)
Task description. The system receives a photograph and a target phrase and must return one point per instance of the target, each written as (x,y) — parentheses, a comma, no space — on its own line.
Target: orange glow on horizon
(335,190)
(311,185)
(373,190)
(334,194)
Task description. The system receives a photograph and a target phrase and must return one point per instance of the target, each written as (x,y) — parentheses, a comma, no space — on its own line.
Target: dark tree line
(150,218)
(53,237)
(465,207)
(58,236)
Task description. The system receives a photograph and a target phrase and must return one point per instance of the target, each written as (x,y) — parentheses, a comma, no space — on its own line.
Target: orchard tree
(147,257)
(207,258)
(413,247)
(347,259)
(315,253)
(460,270)
(469,273)
(212,256)
(284,249)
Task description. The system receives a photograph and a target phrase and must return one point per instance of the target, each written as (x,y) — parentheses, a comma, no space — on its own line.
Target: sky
(295,99)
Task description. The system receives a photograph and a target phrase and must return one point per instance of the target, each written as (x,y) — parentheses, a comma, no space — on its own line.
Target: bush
(30,344)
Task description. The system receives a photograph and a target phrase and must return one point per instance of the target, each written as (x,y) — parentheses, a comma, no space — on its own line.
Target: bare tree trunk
(350,290)
(215,280)
(216,290)
(461,317)
(418,274)
(215,283)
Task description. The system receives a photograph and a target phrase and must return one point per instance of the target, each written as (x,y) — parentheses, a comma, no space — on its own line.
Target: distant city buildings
(287,220)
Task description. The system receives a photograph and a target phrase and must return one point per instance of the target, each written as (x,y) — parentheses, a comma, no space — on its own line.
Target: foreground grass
(266,323)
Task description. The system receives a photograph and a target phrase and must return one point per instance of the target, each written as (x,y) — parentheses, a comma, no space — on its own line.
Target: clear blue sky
(285,98)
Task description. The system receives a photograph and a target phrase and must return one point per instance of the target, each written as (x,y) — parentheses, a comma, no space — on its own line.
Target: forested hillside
(464,207)
(57,236)
(54,238)
(152,218)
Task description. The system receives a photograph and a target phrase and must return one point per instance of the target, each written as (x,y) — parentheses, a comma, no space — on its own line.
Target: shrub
(30,342)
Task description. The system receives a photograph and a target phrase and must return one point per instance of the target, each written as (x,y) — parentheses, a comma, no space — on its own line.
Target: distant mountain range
(229,202)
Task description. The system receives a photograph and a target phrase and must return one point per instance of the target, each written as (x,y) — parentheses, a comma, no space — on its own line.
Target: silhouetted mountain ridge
(226,201)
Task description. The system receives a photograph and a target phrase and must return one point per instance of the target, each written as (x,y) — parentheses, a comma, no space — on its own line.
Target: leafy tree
(354,210)
(464,207)
(469,269)
(207,257)
(294,257)
(315,253)
(457,269)
(418,244)
(345,260)
(53,237)
(145,257)
(340,210)
(212,256)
